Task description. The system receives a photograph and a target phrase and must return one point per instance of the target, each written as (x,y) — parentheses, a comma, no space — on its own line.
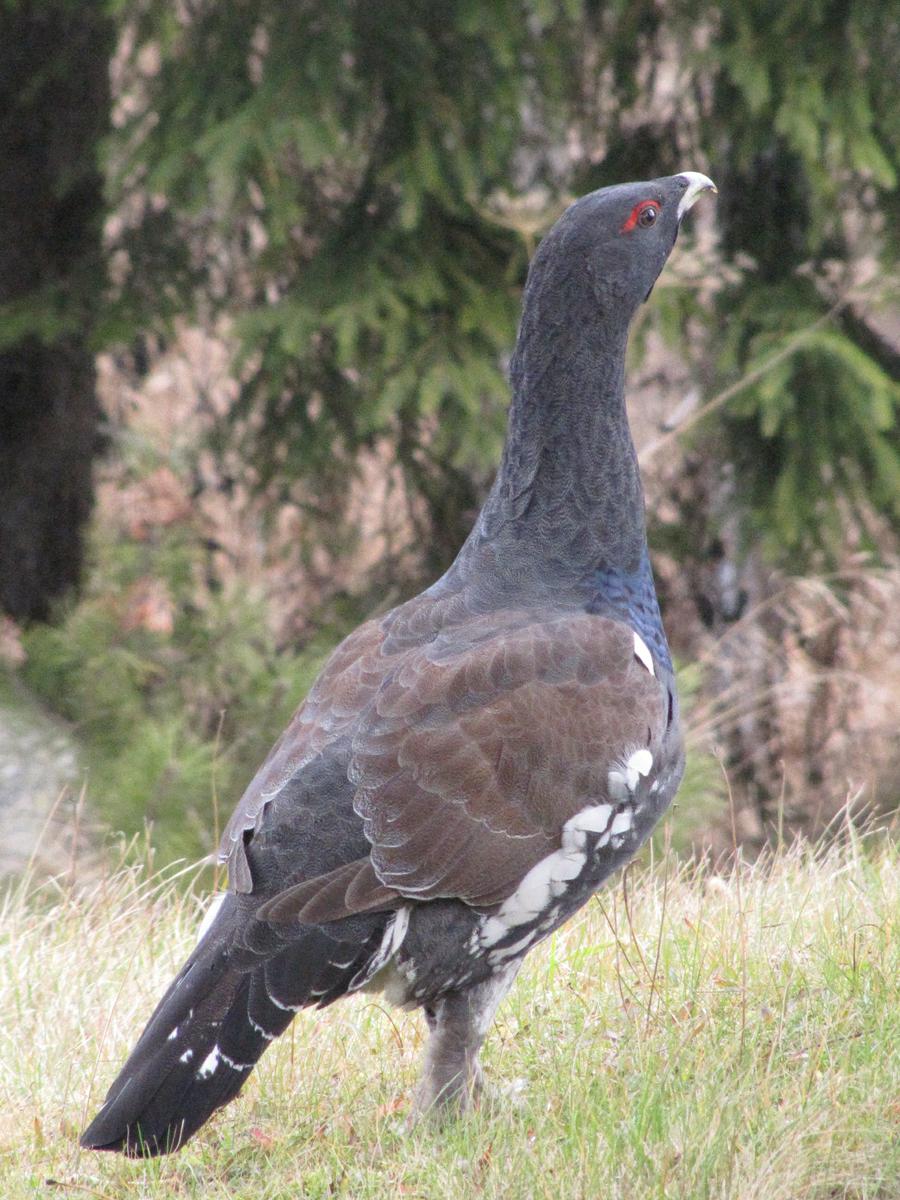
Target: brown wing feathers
(354,888)
(467,763)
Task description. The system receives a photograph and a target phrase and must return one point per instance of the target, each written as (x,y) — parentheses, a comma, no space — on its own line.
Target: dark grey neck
(567,499)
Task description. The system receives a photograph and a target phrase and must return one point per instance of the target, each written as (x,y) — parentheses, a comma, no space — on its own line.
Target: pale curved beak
(697,185)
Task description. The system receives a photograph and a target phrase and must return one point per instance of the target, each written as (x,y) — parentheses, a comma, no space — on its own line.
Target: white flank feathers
(621,824)
(548,879)
(638,764)
(589,820)
(391,941)
(625,776)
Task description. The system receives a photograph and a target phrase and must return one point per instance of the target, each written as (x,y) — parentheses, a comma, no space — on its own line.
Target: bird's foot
(439,1100)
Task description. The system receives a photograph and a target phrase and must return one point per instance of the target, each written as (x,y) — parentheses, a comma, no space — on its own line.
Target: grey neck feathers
(568,497)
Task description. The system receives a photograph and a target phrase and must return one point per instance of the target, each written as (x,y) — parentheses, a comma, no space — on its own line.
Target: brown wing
(474,751)
(472,760)
(338,701)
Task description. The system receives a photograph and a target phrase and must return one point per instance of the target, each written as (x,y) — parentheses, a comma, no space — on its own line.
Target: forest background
(259,281)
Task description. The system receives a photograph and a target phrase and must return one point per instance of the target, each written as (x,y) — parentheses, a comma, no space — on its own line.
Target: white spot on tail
(235,1066)
(210,1064)
(283,1007)
(187,1056)
(173,1035)
(259,1029)
(642,653)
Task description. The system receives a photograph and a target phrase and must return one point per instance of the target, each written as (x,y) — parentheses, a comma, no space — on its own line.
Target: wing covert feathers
(472,759)
(469,750)
(344,892)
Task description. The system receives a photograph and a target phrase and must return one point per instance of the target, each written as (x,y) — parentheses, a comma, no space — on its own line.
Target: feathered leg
(458,1024)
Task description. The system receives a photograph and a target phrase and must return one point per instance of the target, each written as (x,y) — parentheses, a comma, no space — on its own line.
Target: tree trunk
(54,108)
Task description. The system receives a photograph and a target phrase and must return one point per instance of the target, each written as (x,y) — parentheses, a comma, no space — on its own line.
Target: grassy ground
(688,1037)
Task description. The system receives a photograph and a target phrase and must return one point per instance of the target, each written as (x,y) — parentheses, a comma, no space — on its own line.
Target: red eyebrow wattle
(636,212)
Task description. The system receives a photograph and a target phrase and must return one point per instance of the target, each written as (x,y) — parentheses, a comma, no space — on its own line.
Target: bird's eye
(643,215)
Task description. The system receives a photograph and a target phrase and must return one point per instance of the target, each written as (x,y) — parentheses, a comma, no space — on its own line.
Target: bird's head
(607,249)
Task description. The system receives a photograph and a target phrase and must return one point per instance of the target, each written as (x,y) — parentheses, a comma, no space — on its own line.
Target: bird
(470,768)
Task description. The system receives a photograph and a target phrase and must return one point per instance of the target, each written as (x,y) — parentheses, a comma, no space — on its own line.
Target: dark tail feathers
(193,1057)
(223,1009)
